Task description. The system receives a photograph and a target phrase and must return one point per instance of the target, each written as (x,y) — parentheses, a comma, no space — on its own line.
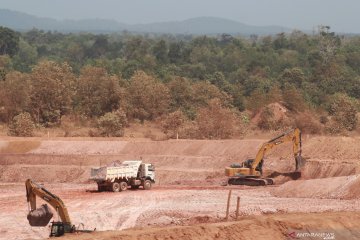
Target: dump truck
(119,177)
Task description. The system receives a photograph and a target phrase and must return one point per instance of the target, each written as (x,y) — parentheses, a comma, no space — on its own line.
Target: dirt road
(159,207)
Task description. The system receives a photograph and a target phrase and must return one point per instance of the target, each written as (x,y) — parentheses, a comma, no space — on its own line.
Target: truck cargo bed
(128,169)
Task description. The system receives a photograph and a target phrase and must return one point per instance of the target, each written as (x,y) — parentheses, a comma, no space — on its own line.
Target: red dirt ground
(188,189)
(339,225)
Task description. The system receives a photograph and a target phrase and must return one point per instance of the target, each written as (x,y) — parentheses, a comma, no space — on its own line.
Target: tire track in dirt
(135,212)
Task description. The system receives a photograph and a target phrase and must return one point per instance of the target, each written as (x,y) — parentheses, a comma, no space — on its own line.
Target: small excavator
(250,172)
(41,216)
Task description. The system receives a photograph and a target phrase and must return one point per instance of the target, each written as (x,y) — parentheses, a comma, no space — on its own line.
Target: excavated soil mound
(347,187)
(279,112)
(340,225)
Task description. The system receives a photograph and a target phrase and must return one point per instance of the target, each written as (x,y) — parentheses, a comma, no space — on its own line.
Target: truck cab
(147,171)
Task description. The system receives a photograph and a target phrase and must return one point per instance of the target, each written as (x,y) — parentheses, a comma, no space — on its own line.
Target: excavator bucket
(40,217)
(299,163)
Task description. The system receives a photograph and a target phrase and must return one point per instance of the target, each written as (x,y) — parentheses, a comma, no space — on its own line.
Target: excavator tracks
(251,181)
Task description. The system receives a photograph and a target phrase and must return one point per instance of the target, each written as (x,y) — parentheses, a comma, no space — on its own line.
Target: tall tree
(148,98)
(215,121)
(52,92)
(160,51)
(26,57)
(97,92)
(9,41)
(14,92)
(181,93)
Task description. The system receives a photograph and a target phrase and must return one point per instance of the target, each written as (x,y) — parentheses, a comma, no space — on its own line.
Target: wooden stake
(228,206)
(237,207)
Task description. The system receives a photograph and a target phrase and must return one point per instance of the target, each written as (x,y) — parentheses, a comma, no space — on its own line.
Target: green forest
(193,86)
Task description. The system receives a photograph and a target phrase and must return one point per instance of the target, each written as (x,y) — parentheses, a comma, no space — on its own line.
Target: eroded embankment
(340,225)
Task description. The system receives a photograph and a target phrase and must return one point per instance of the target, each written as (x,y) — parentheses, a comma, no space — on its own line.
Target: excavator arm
(293,135)
(33,189)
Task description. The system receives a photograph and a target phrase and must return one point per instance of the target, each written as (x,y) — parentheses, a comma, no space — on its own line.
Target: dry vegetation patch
(20,146)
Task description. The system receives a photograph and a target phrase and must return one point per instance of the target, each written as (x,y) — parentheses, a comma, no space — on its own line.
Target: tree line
(209,81)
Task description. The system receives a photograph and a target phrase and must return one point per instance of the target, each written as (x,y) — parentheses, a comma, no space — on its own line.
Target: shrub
(173,122)
(293,99)
(267,119)
(323,119)
(22,125)
(343,112)
(307,123)
(112,124)
(215,122)
(189,130)
(333,127)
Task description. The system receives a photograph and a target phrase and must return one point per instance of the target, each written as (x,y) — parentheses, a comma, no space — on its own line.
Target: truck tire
(101,188)
(115,187)
(123,186)
(147,185)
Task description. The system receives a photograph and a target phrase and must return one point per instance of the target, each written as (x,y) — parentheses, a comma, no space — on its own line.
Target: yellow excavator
(250,172)
(42,216)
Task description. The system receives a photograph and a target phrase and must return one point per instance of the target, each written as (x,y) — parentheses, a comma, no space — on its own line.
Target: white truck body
(133,173)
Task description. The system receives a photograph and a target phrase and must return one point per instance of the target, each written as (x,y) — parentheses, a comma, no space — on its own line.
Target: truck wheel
(123,186)
(115,187)
(101,188)
(147,185)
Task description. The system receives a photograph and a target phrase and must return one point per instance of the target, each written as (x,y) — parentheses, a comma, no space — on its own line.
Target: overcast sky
(341,15)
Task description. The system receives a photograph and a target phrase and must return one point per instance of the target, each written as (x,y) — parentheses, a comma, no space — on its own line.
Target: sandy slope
(347,187)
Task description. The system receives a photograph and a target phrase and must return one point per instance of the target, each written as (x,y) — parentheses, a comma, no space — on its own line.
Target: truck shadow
(96,191)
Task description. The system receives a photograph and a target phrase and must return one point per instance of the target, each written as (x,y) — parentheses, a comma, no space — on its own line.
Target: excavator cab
(248,163)
(58,229)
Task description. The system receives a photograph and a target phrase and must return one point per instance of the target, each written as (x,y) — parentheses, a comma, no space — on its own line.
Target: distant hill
(207,25)
(201,25)
(23,22)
